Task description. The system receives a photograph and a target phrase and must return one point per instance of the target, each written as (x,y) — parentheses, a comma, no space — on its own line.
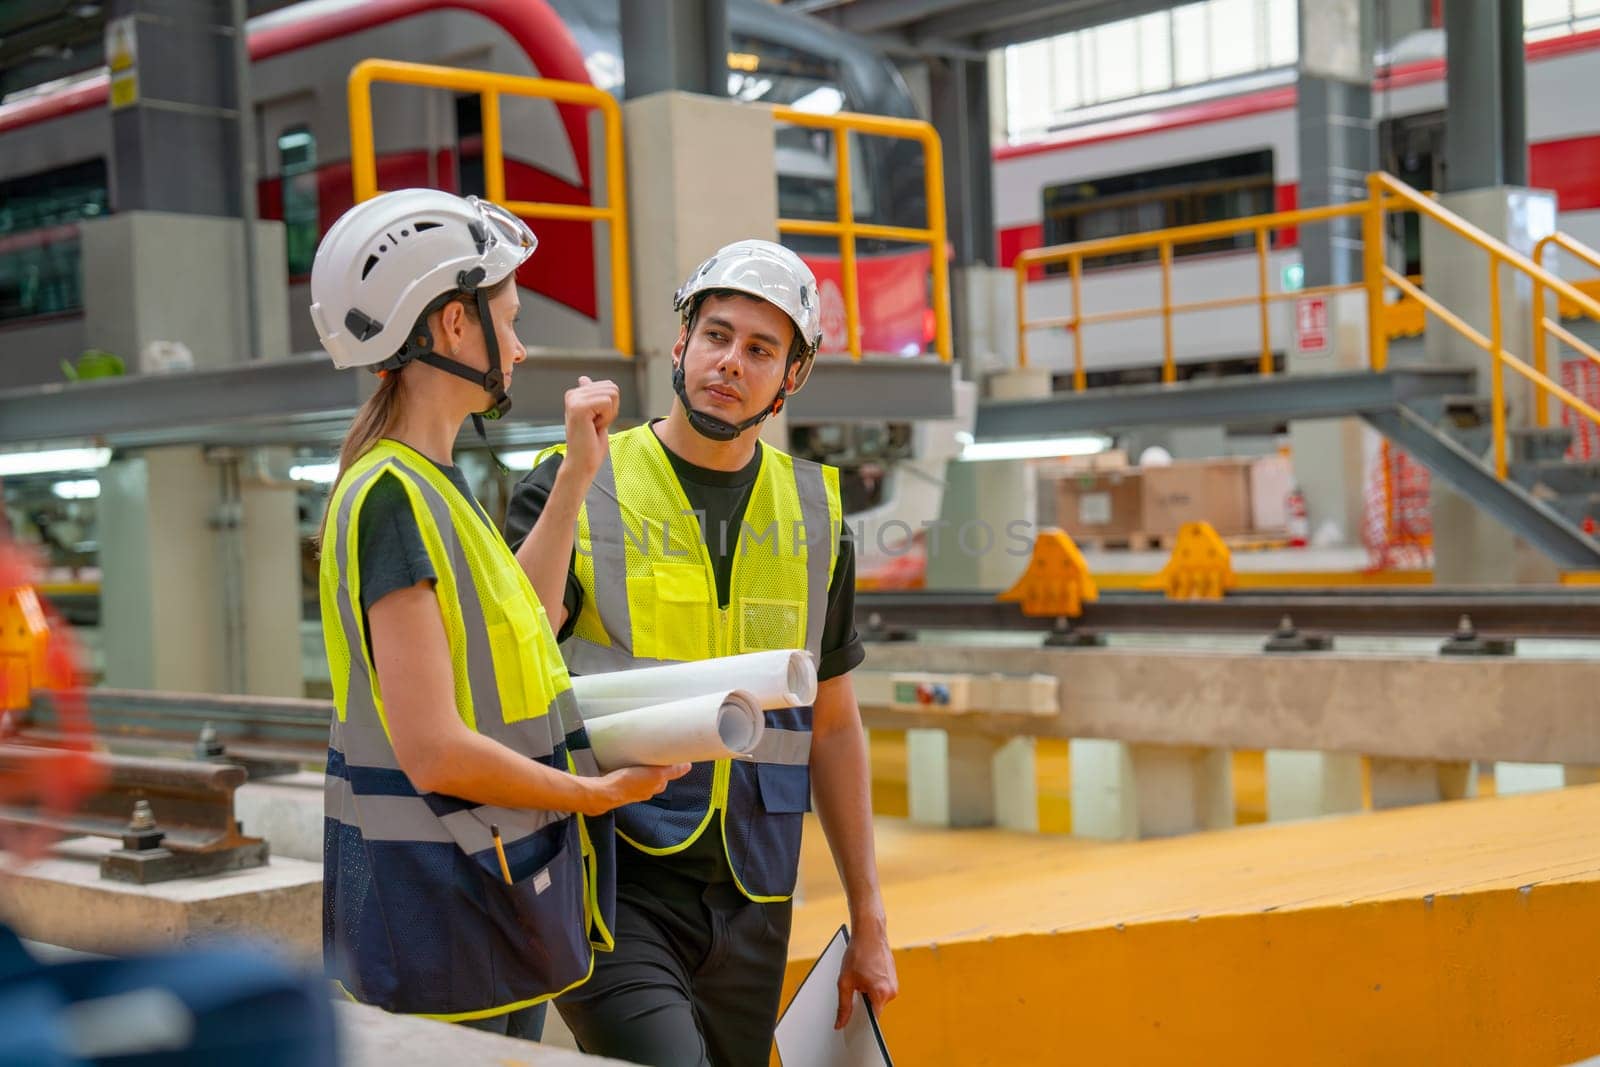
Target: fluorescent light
(82,489)
(321,473)
(521,461)
(54,461)
(823,100)
(1037,448)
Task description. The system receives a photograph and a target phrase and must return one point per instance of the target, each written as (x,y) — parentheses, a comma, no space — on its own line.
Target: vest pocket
(682,610)
(785,788)
(770,624)
(543,945)
(517,666)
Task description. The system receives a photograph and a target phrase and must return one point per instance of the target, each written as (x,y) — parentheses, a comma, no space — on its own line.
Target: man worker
(696,540)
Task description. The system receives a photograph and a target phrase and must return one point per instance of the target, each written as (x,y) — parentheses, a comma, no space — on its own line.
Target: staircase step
(1466,410)
(1578,507)
(1534,443)
(1559,476)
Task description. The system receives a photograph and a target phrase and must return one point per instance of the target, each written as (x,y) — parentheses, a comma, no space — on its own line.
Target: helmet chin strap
(717,429)
(490,381)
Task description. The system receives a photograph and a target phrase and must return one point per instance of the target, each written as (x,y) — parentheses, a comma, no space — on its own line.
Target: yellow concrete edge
(1503,976)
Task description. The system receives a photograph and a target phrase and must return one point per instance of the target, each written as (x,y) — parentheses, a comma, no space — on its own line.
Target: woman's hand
(627,786)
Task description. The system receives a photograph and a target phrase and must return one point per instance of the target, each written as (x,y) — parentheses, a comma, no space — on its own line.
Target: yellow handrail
(847,229)
(490,87)
(1542,323)
(1383,188)
(1165,241)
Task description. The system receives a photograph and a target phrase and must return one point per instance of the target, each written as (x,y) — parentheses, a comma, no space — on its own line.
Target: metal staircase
(1521,476)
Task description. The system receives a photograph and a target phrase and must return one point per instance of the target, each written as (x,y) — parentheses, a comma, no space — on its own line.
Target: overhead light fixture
(80,489)
(53,461)
(320,473)
(1036,448)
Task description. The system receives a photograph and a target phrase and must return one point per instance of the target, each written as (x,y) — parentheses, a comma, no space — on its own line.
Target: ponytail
(375,418)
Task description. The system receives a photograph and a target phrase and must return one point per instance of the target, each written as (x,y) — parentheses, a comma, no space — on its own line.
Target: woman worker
(467,869)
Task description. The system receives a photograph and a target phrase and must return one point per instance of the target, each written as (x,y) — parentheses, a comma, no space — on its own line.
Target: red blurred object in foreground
(37,651)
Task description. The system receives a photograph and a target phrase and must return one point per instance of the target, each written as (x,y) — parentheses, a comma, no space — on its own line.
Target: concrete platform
(287,811)
(1450,933)
(62,900)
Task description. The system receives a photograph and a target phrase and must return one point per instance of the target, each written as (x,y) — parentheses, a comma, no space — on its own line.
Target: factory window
(297,167)
(1229,187)
(39,246)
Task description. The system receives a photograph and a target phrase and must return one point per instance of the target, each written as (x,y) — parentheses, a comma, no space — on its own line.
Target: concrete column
(153,276)
(1125,791)
(984,330)
(1336,135)
(1305,785)
(1469,546)
(959,780)
(174,108)
(1337,144)
(1399,783)
(1329,455)
(197,594)
(701,177)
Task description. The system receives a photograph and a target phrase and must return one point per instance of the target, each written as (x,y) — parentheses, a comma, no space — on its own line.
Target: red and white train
(1237,155)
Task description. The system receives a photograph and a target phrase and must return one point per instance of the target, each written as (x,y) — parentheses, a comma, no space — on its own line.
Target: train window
(776,74)
(1225,188)
(39,246)
(297,167)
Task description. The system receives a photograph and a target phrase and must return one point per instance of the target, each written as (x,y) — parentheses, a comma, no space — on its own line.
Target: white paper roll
(778,679)
(723,725)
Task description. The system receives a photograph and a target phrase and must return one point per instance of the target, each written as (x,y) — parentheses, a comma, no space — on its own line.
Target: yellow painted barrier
(847,229)
(491,87)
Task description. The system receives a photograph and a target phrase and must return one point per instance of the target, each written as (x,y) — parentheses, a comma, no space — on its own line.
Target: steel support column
(675,44)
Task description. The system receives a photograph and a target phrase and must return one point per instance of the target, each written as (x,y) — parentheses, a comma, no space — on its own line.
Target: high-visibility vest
(650,597)
(417,915)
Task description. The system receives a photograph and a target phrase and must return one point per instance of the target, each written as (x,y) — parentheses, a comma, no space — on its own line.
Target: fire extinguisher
(1299,522)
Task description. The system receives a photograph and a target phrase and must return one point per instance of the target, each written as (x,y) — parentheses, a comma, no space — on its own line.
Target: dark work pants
(526,1023)
(695,978)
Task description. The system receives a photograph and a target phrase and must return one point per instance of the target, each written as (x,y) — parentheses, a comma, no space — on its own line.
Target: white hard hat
(386,259)
(768,271)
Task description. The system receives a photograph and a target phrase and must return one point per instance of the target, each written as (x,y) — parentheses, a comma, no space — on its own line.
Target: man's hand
(591,407)
(868,968)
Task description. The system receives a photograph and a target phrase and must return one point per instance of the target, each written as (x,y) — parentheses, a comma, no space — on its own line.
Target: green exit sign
(1293,278)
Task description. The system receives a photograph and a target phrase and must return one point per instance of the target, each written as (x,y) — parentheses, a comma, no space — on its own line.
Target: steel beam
(1210,403)
(1518,613)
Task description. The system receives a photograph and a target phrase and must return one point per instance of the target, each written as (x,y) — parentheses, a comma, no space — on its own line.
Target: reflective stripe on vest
(417,915)
(650,597)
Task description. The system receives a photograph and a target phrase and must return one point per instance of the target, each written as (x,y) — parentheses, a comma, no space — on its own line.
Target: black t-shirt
(722,496)
(391,553)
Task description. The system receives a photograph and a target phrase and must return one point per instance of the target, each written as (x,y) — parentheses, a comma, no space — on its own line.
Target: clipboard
(805,1035)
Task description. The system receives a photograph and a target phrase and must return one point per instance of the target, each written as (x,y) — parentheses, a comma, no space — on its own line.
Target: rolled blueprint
(724,725)
(779,679)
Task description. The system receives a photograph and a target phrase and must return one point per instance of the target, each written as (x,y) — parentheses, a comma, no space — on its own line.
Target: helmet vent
(372,261)
(421,226)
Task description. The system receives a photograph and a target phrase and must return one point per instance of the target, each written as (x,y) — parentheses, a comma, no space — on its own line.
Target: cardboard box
(1100,504)
(1214,490)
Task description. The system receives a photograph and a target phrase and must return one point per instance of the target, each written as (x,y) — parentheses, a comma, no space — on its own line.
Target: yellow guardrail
(490,88)
(846,229)
(1165,241)
(1385,193)
(1544,326)
(1382,188)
